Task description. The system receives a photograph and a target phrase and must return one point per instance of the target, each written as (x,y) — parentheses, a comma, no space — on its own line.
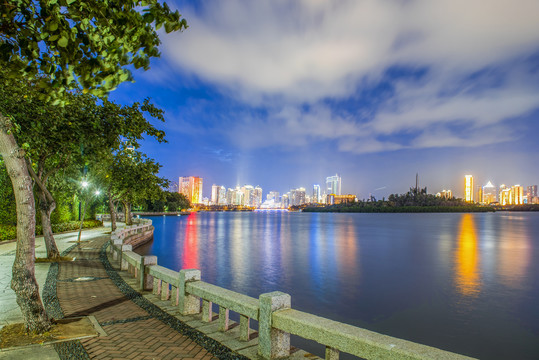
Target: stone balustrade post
(223,318)
(156,286)
(116,245)
(123,263)
(207,310)
(244,328)
(331,353)
(145,279)
(272,343)
(165,292)
(188,304)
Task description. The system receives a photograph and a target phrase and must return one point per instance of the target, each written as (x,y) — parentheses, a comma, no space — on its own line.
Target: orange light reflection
(467,258)
(190,243)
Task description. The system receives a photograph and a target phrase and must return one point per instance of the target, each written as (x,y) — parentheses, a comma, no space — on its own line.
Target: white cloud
(294,53)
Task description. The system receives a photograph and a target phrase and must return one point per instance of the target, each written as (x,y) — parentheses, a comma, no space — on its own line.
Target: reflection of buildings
(488,194)
(190,243)
(513,195)
(467,258)
(468,188)
(333,185)
(191,187)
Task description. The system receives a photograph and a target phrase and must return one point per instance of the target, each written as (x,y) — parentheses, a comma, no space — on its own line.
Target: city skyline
(253,196)
(281,94)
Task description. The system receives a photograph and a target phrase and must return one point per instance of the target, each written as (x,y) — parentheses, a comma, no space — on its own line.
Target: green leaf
(53,26)
(62,42)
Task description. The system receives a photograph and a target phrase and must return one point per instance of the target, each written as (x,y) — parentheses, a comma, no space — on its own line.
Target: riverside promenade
(89,286)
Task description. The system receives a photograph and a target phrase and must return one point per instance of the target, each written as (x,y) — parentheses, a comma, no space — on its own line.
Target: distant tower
(468,188)
(333,185)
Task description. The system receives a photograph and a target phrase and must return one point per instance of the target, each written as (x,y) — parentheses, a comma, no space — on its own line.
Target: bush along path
(135,327)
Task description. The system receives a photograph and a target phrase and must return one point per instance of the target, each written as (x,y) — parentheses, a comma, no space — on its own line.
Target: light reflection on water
(462,282)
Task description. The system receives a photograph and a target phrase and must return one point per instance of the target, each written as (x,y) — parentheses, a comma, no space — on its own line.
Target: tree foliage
(85,42)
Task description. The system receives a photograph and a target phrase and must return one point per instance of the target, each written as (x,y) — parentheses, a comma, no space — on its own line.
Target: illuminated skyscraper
(468,188)
(191,187)
(531,194)
(513,195)
(333,185)
(316,194)
(222,196)
(215,191)
(489,193)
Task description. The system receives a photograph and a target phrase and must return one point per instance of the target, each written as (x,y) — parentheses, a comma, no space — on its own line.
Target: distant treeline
(414,201)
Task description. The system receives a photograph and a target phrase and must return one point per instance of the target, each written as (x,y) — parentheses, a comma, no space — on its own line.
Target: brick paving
(83,288)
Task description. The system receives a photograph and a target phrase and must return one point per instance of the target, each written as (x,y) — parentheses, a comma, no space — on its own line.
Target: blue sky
(282,94)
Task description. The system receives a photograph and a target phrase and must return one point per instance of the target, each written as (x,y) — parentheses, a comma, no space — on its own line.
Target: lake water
(467,283)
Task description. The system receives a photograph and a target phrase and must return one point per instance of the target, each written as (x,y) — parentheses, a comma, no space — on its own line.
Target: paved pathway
(84,288)
(132,332)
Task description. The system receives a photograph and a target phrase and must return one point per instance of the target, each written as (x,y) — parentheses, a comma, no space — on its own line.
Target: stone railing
(131,236)
(276,320)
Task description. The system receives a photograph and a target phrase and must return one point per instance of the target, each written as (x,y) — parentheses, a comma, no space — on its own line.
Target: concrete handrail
(164,274)
(131,258)
(242,304)
(350,339)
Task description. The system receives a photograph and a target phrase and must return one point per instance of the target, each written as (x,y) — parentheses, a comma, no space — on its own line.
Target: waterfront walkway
(84,287)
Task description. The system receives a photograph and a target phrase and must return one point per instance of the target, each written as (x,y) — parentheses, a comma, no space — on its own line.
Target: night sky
(282,94)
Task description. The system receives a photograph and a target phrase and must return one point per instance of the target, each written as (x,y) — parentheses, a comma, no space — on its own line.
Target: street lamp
(84,185)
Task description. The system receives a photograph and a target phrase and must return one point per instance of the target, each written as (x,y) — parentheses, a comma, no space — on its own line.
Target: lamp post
(84,185)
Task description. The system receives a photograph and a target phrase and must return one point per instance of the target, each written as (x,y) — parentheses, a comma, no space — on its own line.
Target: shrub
(8,232)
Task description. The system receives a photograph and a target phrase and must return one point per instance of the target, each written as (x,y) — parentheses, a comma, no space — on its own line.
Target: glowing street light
(84,185)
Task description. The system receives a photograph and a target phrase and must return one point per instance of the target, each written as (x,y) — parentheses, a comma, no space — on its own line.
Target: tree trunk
(46,210)
(23,281)
(112,210)
(127,208)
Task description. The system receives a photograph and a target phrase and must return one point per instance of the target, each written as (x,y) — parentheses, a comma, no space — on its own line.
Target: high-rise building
(513,195)
(333,185)
(316,194)
(468,188)
(297,196)
(191,187)
(257,196)
(222,196)
(215,191)
(488,194)
(531,194)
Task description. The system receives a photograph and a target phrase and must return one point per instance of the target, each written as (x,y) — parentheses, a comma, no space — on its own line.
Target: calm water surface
(467,283)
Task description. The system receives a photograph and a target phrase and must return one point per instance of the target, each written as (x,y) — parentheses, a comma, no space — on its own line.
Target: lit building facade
(215,191)
(191,187)
(513,195)
(333,199)
(489,194)
(316,194)
(297,197)
(468,188)
(531,194)
(333,185)
(446,194)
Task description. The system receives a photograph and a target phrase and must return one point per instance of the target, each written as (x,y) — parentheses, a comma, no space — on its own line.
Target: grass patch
(15,335)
